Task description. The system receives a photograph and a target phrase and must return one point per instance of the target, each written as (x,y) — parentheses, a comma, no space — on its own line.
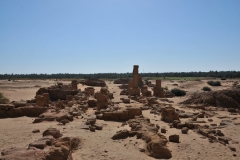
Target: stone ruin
(93,82)
(63,103)
(136,87)
(102,101)
(52,146)
(168,114)
(133,88)
(74,85)
(90,90)
(121,81)
(59,91)
(145,92)
(158,91)
(120,115)
(14,110)
(107,111)
(141,127)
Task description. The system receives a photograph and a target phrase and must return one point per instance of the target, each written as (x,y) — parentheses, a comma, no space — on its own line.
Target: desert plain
(16,132)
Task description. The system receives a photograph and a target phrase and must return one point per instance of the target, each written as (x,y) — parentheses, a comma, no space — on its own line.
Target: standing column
(74,84)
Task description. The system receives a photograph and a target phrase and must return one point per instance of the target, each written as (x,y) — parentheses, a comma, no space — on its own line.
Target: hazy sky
(101,36)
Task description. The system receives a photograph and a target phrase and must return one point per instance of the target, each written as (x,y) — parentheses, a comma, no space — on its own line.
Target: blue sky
(93,36)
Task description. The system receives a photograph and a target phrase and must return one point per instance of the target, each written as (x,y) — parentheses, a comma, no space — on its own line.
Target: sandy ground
(17,132)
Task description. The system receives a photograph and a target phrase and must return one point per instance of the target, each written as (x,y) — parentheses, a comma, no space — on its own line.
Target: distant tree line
(216,74)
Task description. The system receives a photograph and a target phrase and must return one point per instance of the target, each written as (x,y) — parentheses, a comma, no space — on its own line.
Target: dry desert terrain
(98,145)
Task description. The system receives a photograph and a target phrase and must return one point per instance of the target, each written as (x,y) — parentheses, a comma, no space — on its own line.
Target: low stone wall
(57,93)
(122,115)
(8,111)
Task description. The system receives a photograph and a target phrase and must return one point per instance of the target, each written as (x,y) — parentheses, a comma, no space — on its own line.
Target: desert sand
(98,145)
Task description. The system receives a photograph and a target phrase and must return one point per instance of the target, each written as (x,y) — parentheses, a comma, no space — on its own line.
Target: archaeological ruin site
(121,119)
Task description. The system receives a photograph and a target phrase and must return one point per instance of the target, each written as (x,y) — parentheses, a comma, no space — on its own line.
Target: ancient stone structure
(102,101)
(169,114)
(52,146)
(140,81)
(148,94)
(46,98)
(130,85)
(134,89)
(69,97)
(74,85)
(9,110)
(56,92)
(144,90)
(122,115)
(90,90)
(121,81)
(40,101)
(93,82)
(155,143)
(158,91)
(92,102)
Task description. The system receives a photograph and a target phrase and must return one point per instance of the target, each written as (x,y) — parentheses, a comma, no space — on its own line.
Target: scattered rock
(219,133)
(174,138)
(120,134)
(224,139)
(42,142)
(92,128)
(53,132)
(98,126)
(35,131)
(232,148)
(184,130)
(38,120)
(163,129)
(210,120)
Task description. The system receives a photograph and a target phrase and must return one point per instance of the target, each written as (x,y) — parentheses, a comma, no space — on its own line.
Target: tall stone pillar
(158,84)
(135,81)
(74,85)
(134,90)
(158,91)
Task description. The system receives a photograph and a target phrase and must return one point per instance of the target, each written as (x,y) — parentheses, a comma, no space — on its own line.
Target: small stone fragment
(35,131)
